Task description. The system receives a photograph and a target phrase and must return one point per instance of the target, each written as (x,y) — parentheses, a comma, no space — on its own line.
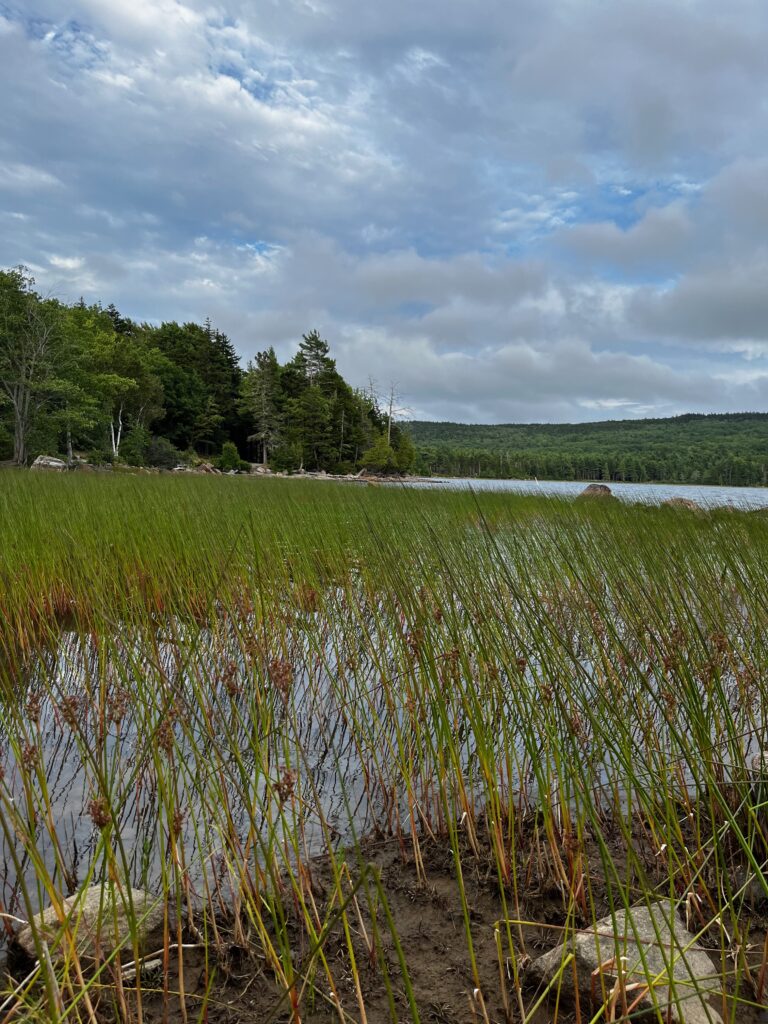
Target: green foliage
(380,457)
(82,377)
(135,448)
(161,454)
(201,385)
(31,351)
(99,457)
(304,415)
(405,452)
(383,457)
(6,443)
(261,402)
(229,458)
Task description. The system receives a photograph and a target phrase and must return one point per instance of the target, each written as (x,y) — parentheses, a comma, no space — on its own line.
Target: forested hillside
(82,380)
(706,449)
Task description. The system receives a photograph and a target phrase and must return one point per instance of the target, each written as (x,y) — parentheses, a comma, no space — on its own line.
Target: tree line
(83,379)
(724,449)
(79,378)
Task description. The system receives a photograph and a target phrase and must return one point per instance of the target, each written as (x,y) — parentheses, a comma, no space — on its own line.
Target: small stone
(97,921)
(657,950)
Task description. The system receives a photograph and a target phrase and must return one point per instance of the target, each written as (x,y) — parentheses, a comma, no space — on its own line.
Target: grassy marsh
(375,747)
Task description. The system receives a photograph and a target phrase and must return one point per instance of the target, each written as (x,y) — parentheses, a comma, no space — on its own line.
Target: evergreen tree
(310,428)
(120,324)
(380,457)
(405,452)
(261,396)
(207,425)
(314,354)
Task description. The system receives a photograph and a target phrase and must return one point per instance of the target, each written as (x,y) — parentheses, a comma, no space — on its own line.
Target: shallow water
(348,781)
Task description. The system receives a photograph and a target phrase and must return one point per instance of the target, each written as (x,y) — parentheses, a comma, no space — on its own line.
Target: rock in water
(686,503)
(48,462)
(97,921)
(661,957)
(596,491)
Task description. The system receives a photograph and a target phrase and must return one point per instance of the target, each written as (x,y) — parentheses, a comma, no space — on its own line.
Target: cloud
(66,262)
(18,178)
(655,244)
(727,305)
(526,210)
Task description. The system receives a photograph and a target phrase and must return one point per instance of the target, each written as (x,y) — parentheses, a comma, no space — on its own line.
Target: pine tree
(314,352)
(311,428)
(260,396)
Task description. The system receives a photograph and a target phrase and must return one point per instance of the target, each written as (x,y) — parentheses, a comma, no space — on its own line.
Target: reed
(242,695)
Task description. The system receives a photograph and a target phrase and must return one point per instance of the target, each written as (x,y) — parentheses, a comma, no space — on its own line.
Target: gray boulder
(49,462)
(98,921)
(673,978)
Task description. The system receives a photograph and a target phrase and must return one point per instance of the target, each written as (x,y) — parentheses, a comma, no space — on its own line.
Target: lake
(653,494)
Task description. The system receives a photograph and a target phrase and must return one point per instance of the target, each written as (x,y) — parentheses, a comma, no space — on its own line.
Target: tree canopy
(81,378)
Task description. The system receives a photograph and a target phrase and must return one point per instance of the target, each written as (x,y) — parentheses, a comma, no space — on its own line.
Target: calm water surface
(653,494)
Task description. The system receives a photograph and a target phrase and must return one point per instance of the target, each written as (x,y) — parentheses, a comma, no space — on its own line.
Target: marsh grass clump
(373,750)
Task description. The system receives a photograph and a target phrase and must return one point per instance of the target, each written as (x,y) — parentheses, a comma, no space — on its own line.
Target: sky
(512,210)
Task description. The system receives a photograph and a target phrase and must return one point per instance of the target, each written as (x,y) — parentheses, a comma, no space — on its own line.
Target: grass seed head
(98,810)
(281,676)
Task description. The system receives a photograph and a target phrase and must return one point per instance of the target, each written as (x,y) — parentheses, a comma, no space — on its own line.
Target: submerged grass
(237,694)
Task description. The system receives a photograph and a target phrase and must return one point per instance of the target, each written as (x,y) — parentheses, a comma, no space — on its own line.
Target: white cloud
(20,177)
(66,262)
(528,209)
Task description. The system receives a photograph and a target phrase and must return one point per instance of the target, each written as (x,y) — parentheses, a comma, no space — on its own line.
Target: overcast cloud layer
(516,209)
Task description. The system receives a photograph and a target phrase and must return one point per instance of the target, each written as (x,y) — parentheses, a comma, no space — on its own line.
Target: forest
(725,449)
(84,381)
(80,380)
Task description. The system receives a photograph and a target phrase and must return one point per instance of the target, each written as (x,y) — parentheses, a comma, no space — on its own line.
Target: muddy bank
(229,981)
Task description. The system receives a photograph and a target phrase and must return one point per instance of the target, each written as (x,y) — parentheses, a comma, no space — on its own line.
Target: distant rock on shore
(686,503)
(597,491)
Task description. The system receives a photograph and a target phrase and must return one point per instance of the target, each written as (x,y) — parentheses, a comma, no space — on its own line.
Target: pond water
(348,739)
(653,494)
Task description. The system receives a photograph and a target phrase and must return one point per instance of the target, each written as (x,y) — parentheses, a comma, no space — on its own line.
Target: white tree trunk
(117,434)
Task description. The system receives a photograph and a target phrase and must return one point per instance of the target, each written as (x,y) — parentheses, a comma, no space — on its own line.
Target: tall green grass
(210,682)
